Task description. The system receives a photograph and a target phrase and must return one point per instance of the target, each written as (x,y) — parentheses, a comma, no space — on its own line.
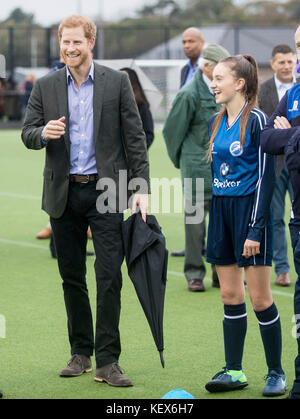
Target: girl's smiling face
(224,84)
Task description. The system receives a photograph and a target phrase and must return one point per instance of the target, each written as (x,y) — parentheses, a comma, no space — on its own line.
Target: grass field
(36,347)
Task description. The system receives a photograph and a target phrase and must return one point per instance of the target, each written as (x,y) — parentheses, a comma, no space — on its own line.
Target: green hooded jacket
(186,132)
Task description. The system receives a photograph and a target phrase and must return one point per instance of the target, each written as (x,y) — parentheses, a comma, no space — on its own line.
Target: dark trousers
(71,240)
(194,266)
(280,248)
(295,236)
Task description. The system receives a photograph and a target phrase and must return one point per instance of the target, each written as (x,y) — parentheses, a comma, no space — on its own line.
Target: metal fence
(38,47)
(32,47)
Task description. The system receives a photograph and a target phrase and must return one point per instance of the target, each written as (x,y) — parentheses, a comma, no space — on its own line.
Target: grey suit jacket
(267,101)
(120,142)
(268,97)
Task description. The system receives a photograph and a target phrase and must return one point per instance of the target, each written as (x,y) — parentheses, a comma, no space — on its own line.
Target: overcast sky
(50,11)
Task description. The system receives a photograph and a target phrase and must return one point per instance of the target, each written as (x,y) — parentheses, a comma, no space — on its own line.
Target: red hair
(75,21)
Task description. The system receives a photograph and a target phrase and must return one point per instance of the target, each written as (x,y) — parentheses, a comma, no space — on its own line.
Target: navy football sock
(270,330)
(234,328)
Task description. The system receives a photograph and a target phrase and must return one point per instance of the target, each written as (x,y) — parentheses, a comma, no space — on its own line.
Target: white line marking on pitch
(20,196)
(284,294)
(24,244)
(172,273)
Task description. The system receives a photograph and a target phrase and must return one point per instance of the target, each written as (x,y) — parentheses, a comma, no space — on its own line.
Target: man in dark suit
(271,91)
(86,117)
(193,44)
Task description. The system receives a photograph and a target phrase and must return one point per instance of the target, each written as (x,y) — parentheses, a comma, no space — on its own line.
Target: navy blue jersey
(275,141)
(240,171)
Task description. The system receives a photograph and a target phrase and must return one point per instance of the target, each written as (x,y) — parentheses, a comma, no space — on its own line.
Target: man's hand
(251,248)
(141,201)
(54,129)
(281,122)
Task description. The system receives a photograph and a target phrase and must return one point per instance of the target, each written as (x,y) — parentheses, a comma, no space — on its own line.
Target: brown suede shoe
(78,365)
(283,280)
(44,234)
(112,375)
(196,285)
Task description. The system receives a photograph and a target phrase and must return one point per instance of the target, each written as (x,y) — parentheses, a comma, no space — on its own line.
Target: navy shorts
(228,229)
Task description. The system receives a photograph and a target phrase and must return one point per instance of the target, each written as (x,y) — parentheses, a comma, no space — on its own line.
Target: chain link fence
(38,47)
(32,49)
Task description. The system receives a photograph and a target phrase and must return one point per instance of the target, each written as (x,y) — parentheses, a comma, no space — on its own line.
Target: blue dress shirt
(81,125)
(192,70)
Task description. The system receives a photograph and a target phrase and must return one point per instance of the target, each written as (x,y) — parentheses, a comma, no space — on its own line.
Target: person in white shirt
(283,63)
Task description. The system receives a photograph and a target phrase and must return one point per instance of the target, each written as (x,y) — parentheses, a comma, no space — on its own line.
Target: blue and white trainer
(276,384)
(227,380)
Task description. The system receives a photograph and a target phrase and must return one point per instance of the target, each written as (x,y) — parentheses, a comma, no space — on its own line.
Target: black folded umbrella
(147,259)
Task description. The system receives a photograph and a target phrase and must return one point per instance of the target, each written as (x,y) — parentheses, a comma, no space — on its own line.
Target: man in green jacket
(186,137)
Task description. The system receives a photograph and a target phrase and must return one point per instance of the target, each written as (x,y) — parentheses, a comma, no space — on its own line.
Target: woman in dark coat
(143,105)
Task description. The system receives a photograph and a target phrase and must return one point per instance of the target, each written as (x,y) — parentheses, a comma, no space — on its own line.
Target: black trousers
(71,240)
(295,237)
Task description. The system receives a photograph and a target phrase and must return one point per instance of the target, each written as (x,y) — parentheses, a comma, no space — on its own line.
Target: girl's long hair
(242,67)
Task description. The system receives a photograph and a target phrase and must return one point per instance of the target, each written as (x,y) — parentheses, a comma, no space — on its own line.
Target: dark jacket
(267,101)
(147,122)
(118,133)
(292,155)
(268,97)
(279,141)
(183,75)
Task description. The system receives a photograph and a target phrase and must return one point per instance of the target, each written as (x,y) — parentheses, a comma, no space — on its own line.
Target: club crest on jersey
(212,149)
(224,170)
(236,149)
(295,106)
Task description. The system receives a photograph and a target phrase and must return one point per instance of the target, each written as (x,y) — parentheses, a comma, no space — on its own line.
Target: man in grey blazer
(271,91)
(86,117)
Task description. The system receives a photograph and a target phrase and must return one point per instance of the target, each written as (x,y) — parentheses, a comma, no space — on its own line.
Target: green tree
(29,39)
(209,11)
(266,12)
(168,8)
(18,16)
(293,11)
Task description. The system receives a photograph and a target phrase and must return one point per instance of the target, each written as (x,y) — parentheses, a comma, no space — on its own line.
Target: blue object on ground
(178,394)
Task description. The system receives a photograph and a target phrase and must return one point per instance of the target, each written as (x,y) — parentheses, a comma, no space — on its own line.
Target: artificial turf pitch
(35,346)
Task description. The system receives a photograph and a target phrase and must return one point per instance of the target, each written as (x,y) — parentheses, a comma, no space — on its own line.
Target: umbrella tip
(162,359)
